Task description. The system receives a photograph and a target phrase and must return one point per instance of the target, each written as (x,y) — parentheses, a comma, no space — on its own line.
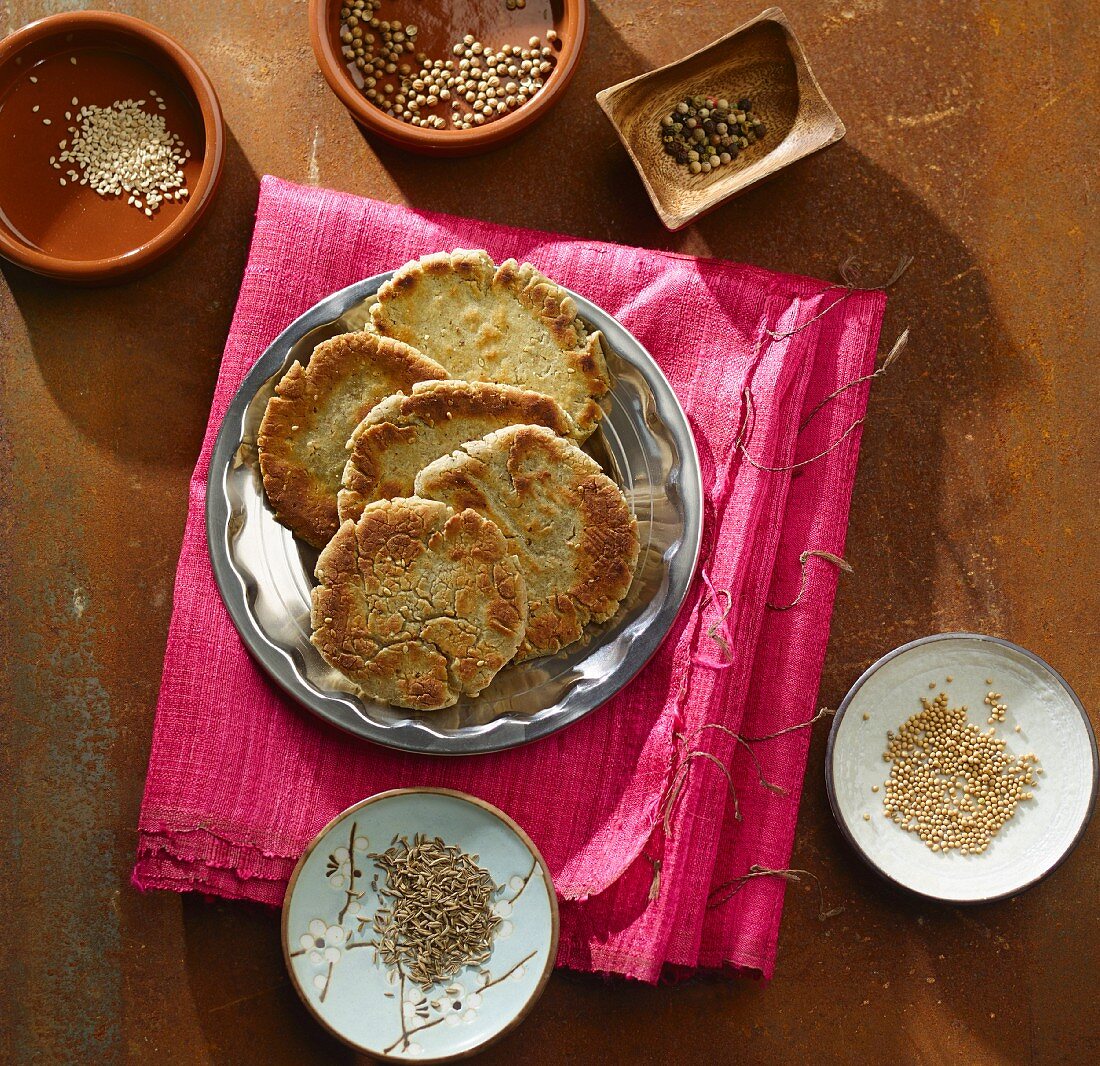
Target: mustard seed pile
(437,913)
(124,150)
(476,86)
(704,133)
(952,784)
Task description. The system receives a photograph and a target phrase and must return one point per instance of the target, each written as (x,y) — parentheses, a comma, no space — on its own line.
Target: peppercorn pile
(704,133)
(951,784)
(475,87)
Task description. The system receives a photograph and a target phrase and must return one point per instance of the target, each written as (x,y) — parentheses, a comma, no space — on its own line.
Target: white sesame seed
(34,80)
(124,149)
(46,122)
(35,108)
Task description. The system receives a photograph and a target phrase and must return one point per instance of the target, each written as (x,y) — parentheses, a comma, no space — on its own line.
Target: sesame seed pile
(952,784)
(477,86)
(124,150)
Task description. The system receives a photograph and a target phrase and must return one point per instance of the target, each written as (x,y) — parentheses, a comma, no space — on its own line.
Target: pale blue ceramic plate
(328,932)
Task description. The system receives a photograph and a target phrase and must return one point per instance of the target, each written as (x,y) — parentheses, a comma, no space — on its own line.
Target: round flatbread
(418,605)
(566,521)
(303,437)
(403,434)
(487,323)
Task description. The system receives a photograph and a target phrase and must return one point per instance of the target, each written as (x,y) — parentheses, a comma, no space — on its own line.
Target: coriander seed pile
(475,86)
(704,133)
(996,708)
(436,914)
(124,149)
(952,784)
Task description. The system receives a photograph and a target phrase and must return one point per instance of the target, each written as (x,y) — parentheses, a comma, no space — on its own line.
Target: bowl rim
(415,137)
(675,221)
(509,823)
(177,59)
(830,752)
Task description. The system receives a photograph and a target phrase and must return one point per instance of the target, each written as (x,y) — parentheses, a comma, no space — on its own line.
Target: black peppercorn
(705,133)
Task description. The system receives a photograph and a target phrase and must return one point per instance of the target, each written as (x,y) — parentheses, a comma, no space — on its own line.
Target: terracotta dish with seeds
(302,438)
(509,324)
(418,605)
(567,523)
(403,434)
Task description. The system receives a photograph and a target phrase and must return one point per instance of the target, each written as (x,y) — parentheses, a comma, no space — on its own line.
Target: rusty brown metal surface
(971,144)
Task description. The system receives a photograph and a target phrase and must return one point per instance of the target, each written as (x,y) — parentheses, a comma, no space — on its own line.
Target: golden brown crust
(403,434)
(510,324)
(418,605)
(303,436)
(566,521)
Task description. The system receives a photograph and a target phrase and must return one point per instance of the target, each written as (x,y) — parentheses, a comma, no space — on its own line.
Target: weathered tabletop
(971,145)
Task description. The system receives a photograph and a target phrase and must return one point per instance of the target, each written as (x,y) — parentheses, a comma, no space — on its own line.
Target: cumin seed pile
(437,911)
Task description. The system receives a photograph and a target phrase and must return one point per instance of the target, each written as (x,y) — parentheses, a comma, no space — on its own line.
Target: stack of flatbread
(434,458)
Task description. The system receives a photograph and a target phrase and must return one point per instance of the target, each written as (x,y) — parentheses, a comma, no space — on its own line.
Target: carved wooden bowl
(761,60)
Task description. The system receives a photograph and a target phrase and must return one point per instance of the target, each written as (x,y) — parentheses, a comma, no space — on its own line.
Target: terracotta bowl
(440,26)
(51,224)
(761,60)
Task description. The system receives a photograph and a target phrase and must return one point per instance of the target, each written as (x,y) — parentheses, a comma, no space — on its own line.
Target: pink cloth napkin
(241,778)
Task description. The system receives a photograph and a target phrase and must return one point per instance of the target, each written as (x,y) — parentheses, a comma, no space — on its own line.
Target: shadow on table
(242,994)
(133,365)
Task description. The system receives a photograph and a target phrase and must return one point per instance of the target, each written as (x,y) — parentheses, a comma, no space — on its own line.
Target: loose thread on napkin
(718,631)
(732,887)
(824,712)
(679,778)
(680,771)
(749,413)
(851,284)
(779,790)
(655,883)
(667,805)
(891,357)
(741,445)
(676,785)
(850,277)
(803,560)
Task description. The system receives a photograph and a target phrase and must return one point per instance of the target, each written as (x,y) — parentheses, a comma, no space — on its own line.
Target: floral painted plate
(346,935)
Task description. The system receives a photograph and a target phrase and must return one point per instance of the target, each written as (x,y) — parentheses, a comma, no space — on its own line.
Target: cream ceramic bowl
(1053,724)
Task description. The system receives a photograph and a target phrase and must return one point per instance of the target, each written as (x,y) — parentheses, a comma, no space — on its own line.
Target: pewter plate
(265,575)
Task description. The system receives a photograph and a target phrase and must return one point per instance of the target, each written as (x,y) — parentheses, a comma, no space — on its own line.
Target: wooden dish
(69,231)
(440,26)
(761,60)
